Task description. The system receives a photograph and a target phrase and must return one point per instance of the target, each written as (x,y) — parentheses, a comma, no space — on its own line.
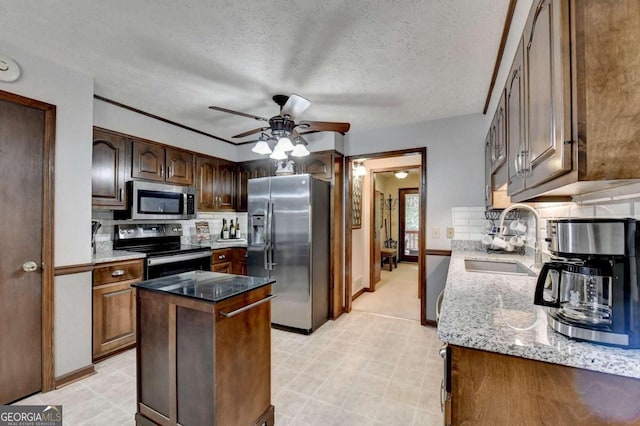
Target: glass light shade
(299,151)
(262,147)
(278,154)
(402,175)
(360,170)
(284,144)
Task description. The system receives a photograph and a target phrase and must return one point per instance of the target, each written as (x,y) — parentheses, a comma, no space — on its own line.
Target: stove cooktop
(168,249)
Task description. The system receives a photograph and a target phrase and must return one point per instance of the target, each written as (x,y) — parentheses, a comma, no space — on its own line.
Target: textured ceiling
(372,63)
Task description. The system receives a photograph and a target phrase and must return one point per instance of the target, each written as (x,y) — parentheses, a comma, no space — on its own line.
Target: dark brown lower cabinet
(198,367)
(488,388)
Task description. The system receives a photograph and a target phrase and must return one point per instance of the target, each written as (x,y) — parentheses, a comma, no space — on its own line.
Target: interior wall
(455,166)
(72,93)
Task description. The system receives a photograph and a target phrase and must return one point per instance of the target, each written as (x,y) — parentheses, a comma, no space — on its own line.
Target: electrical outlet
(435,232)
(450,233)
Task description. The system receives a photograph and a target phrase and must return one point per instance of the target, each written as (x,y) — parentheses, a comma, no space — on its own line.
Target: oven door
(162,266)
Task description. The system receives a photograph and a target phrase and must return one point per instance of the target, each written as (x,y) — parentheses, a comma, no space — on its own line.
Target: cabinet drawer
(115,272)
(221,256)
(224,267)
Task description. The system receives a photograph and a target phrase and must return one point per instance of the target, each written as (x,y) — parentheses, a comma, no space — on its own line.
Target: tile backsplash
(104,236)
(468,222)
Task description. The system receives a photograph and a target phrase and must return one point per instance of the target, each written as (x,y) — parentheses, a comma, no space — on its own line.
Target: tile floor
(396,294)
(362,369)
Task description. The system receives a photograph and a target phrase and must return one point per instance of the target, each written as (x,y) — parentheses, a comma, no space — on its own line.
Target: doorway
(409,224)
(27,129)
(358,242)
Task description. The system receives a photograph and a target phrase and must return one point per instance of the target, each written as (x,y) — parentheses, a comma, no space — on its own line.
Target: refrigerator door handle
(271,245)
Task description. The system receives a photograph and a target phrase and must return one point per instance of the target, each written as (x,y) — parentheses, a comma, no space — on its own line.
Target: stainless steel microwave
(149,200)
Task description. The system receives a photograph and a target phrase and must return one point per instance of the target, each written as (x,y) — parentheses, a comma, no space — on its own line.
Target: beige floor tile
(392,413)
(305,384)
(289,403)
(317,412)
(361,403)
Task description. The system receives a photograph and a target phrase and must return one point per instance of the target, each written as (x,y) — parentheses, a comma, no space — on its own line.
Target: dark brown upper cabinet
(108,170)
(216,184)
(517,144)
(319,165)
(249,170)
(157,163)
(573,112)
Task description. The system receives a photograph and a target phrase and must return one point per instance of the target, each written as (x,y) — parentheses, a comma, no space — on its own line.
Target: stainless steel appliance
(149,200)
(289,240)
(591,288)
(165,255)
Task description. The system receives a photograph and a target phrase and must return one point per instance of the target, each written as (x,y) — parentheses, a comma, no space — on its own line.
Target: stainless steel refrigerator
(289,240)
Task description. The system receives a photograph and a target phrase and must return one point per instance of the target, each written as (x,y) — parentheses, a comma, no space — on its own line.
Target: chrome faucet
(538,244)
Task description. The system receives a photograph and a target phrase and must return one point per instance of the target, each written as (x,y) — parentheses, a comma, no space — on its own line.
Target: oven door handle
(162,260)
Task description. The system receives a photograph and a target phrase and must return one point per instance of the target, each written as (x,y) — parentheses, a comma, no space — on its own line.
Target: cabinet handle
(118,273)
(486,192)
(169,171)
(162,170)
(246,308)
(222,257)
(535,21)
(121,192)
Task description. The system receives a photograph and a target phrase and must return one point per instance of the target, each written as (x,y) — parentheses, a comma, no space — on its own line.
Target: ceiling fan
(282,128)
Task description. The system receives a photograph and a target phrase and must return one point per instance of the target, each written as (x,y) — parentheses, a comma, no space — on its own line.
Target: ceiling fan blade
(306,127)
(295,105)
(251,132)
(244,114)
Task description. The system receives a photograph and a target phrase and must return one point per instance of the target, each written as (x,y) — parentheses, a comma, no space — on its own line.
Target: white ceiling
(373,63)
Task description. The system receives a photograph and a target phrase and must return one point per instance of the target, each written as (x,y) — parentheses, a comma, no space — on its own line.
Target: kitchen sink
(497,267)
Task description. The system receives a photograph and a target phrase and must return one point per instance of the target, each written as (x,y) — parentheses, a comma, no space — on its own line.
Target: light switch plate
(450,232)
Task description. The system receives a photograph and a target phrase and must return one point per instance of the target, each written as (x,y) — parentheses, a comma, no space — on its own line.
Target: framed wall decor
(356,208)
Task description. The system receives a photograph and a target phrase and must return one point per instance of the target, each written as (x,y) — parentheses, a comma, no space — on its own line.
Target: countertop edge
(495,313)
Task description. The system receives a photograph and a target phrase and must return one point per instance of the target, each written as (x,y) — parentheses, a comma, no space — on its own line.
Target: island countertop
(207,286)
(495,313)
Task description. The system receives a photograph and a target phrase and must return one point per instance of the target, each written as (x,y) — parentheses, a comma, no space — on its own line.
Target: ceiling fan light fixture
(402,174)
(261,147)
(278,154)
(284,144)
(300,151)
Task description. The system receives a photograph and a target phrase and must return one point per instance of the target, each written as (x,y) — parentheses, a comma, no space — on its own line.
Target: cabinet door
(179,167)
(319,166)
(226,185)
(205,183)
(224,267)
(108,170)
(516,137)
(498,137)
(114,317)
(548,155)
(243,358)
(244,173)
(148,161)
(488,193)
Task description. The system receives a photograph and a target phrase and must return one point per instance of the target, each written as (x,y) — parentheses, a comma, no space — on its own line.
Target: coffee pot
(591,288)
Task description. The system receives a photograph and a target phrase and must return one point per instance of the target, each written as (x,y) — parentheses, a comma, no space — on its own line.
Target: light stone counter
(495,313)
(104,256)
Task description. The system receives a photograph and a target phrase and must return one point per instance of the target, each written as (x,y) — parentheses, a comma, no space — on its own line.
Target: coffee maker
(591,288)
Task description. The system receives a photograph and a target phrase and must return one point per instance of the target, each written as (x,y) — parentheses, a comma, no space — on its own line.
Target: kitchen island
(204,350)
(506,366)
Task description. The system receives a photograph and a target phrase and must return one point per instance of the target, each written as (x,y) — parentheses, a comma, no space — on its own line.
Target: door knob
(29,266)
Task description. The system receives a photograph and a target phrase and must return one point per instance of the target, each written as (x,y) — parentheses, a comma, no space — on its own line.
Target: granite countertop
(495,313)
(204,285)
(104,256)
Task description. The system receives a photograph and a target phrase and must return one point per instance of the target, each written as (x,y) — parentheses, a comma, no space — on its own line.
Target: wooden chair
(391,255)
